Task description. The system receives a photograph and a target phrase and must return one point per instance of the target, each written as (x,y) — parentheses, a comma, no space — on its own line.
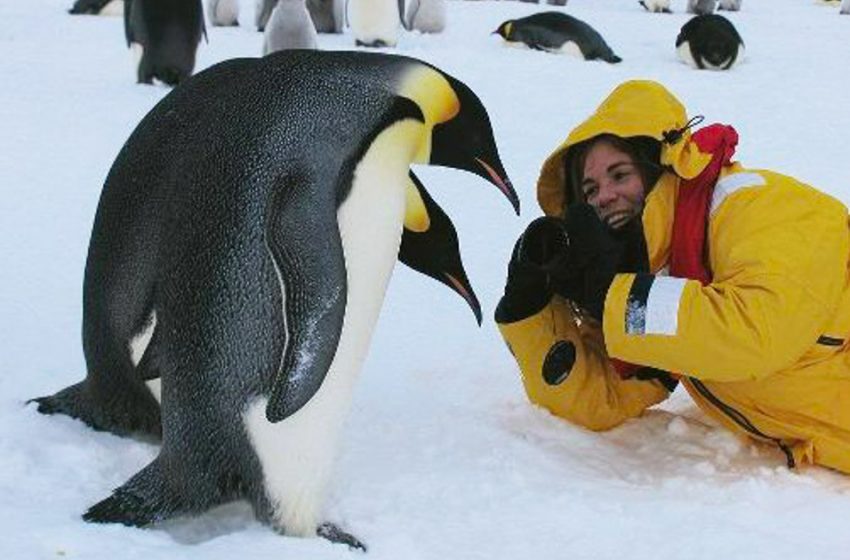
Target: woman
(661,260)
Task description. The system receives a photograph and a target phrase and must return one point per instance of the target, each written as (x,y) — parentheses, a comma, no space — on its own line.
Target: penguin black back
(551,31)
(709,41)
(168,32)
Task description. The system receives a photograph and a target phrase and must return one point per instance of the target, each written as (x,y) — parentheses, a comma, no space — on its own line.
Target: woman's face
(612,184)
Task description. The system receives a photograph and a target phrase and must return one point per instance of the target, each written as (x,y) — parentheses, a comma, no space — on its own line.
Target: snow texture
(441,457)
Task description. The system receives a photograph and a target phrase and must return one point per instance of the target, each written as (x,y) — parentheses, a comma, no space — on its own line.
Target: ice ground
(442,457)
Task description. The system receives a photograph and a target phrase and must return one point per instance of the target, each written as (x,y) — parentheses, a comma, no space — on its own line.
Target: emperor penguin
(290,27)
(845,7)
(165,34)
(729,5)
(426,16)
(701,7)
(223,13)
(263,12)
(656,6)
(375,23)
(709,42)
(98,7)
(240,251)
(557,32)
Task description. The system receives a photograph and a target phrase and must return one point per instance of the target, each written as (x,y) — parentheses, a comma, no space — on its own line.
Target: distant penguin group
(709,42)
(242,244)
(165,35)
(557,32)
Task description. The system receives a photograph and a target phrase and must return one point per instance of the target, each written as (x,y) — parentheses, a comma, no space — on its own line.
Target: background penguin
(290,27)
(98,7)
(709,42)
(223,13)
(168,33)
(701,6)
(729,5)
(558,32)
(241,253)
(375,23)
(427,16)
(845,7)
(328,15)
(656,6)
(429,244)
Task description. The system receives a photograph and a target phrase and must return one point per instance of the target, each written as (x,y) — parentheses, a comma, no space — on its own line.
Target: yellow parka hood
(634,108)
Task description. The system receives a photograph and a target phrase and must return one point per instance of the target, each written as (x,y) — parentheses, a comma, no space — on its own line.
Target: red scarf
(688,250)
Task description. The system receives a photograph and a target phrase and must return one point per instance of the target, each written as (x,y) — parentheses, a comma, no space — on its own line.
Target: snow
(442,457)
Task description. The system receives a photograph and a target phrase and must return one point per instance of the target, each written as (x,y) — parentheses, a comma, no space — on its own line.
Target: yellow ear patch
(432,92)
(415,213)
(508,28)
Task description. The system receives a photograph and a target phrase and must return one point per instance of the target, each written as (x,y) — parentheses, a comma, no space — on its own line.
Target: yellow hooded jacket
(763,348)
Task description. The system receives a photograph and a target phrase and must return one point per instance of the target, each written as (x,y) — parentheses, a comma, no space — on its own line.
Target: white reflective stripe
(662,305)
(732,183)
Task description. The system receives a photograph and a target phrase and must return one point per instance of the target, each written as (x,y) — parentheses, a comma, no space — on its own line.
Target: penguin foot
(142,500)
(334,534)
(376,44)
(134,414)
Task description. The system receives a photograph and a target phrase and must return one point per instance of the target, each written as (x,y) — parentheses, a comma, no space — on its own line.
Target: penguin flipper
(429,244)
(303,240)
(142,500)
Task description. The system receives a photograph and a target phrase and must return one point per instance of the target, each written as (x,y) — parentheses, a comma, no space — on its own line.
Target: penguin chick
(290,27)
(223,13)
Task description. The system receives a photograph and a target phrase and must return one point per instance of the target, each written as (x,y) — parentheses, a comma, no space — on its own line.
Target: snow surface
(442,456)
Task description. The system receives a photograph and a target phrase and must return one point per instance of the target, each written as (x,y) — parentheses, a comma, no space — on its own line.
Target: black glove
(539,252)
(597,253)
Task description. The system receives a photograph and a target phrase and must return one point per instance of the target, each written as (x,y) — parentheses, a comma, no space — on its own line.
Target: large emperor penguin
(290,27)
(98,7)
(165,35)
(558,33)
(240,251)
(375,23)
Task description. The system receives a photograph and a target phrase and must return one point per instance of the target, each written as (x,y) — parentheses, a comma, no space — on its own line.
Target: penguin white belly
(296,454)
(114,8)
(374,20)
(138,345)
(570,48)
(137,51)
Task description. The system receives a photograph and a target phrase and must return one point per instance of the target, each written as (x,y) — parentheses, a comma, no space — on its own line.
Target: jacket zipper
(741,420)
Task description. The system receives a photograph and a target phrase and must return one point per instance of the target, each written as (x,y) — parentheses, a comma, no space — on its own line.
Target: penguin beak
(502,183)
(463,288)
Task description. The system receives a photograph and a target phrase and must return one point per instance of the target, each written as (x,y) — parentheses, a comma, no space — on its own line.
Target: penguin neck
(297,454)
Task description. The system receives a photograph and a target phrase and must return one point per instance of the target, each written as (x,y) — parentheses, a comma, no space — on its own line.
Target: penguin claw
(334,534)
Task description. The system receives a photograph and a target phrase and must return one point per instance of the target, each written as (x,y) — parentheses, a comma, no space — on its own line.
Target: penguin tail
(143,500)
(123,413)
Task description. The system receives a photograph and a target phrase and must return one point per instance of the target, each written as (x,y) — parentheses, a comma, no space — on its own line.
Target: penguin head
(504,30)
(465,141)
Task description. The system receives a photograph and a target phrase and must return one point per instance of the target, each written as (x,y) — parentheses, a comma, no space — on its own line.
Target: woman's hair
(644,151)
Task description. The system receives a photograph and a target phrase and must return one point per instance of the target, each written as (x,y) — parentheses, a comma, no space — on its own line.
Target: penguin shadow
(234,517)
